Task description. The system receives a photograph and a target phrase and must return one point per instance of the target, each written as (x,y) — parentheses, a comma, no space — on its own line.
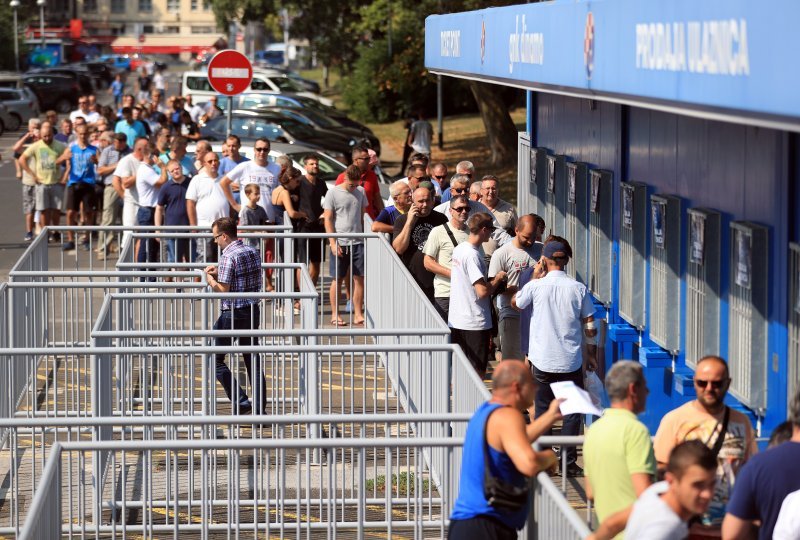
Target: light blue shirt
(556,333)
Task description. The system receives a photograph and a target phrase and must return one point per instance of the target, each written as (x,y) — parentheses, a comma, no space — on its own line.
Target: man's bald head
(507,373)
(714,359)
(525,223)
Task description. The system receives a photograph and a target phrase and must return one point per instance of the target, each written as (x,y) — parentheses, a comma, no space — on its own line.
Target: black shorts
(475,344)
(480,528)
(81,193)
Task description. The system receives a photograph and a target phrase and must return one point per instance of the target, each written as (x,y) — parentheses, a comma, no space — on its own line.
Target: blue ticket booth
(662,142)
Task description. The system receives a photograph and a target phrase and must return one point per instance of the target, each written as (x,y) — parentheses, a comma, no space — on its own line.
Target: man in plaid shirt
(239,270)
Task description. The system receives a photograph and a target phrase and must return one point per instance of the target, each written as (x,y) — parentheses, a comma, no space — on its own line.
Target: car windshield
(328,167)
(321,120)
(285,84)
(295,128)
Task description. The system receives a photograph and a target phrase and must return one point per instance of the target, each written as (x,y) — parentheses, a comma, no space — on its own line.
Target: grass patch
(402,484)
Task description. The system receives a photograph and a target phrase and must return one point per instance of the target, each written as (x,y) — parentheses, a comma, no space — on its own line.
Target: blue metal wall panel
(739,170)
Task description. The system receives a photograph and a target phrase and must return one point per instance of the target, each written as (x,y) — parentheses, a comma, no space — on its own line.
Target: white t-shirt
(421,135)
(652,519)
(146,178)
(500,236)
(467,311)
(513,261)
(787,527)
(128,166)
(250,172)
(91,117)
(556,331)
(211,202)
(440,247)
(158,81)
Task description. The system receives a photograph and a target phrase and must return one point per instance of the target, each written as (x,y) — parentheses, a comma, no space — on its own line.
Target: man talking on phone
(562,319)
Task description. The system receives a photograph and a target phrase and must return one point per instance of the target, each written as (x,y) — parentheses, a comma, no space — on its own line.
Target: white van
(195,83)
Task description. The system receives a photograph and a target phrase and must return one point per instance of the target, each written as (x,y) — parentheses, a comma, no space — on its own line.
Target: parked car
(22,104)
(54,90)
(10,79)
(102,73)
(252,101)
(118,61)
(249,126)
(81,75)
(306,84)
(196,84)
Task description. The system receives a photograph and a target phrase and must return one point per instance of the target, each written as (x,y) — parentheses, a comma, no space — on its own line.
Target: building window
(148,29)
(194,4)
(90,6)
(206,5)
(202,29)
(170,29)
(117,6)
(145,6)
(173,6)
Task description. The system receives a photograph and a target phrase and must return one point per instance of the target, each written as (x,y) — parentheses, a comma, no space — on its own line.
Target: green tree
(226,11)
(24,13)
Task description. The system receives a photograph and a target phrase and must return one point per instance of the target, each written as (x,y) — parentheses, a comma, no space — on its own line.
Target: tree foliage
(24,14)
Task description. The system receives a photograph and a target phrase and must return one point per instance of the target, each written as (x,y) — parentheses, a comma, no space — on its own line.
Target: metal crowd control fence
(101,487)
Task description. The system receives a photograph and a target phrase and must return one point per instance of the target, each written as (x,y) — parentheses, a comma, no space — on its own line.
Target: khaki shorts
(28,199)
(49,196)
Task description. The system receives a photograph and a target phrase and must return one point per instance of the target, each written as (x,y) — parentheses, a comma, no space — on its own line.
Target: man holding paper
(562,318)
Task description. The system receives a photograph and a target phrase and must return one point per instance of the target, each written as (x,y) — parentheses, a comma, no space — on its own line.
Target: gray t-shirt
(348,211)
(653,519)
(513,261)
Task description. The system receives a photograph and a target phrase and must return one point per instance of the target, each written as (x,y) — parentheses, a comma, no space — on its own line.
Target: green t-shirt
(44,161)
(617,445)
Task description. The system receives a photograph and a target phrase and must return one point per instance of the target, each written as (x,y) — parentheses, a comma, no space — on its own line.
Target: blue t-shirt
(227,164)
(172,197)
(187,164)
(446,195)
(117,87)
(471,501)
(131,130)
(762,484)
(388,215)
(81,168)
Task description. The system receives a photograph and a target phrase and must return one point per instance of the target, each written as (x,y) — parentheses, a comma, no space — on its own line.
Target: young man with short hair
(663,510)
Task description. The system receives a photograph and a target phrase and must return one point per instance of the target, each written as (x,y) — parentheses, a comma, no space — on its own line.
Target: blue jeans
(246,318)
(179,249)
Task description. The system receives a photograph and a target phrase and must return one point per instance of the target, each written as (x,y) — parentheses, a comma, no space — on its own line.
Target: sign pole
(230,117)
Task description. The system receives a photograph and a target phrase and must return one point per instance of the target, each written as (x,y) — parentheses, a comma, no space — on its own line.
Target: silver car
(22,105)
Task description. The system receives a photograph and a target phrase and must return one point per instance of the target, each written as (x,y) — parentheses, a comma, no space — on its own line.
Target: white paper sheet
(578,401)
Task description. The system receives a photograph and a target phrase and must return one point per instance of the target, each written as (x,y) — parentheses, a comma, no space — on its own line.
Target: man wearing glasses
(84,111)
(465,169)
(258,171)
(369,181)
(439,248)
(205,203)
(726,431)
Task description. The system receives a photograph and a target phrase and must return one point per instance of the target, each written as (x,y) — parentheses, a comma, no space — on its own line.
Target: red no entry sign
(230,72)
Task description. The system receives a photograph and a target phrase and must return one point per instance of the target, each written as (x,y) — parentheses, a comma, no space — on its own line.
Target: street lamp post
(41,4)
(14,5)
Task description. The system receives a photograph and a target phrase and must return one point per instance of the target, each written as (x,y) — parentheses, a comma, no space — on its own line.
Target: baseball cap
(554,250)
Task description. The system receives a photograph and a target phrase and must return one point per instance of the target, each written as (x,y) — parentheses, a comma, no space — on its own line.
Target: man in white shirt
(470,317)
(124,181)
(420,135)
(562,319)
(205,203)
(513,258)
(259,171)
(662,512)
(84,112)
(149,179)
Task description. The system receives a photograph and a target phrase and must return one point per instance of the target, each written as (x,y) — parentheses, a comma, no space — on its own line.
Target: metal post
(439,112)
(41,4)
(14,5)
(229,122)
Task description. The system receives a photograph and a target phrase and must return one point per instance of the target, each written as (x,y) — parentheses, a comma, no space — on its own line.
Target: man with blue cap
(562,319)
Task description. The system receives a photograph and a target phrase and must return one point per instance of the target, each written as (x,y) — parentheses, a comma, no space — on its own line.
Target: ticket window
(665,272)
(633,253)
(577,219)
(748,304)
(601,207)
(703,283)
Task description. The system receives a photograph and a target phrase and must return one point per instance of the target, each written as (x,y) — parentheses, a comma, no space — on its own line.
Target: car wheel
(15,121)
(63,105)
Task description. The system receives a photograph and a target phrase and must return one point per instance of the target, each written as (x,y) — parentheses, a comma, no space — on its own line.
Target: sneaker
(245,407)
(28,236)
(85,246)
(68,246)
(574,470)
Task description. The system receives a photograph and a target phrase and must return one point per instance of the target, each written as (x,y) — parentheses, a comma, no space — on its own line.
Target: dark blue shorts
(352,258)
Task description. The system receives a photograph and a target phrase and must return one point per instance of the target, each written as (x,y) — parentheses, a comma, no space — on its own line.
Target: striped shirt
(239,267)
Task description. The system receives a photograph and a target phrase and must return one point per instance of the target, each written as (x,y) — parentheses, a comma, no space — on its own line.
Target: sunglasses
(209,161)
(442,177)
(261,149)
(715,385)
(460,209)
(460,190)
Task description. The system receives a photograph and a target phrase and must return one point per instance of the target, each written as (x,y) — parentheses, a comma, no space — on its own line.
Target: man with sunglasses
(726,431)
(439,248)
(259,171)
(465,169)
